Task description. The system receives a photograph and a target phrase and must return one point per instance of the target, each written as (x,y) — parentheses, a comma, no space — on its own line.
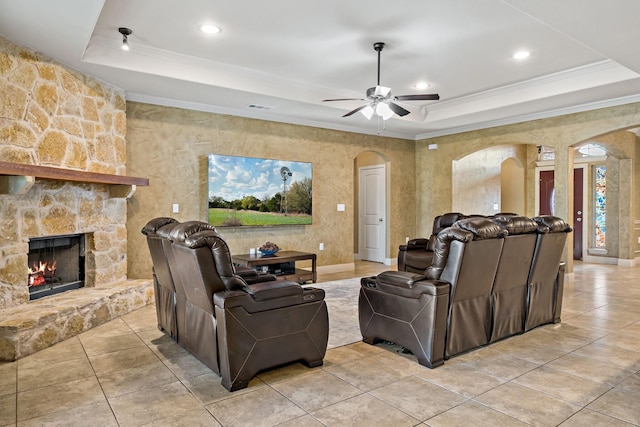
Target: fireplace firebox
(55,264)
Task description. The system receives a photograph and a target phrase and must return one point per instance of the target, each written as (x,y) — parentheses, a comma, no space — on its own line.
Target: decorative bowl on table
(269,248)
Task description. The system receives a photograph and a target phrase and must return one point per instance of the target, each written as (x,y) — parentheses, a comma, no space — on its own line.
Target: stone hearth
(29,328)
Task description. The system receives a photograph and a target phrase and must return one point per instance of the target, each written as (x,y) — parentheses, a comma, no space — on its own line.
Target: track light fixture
(125,33)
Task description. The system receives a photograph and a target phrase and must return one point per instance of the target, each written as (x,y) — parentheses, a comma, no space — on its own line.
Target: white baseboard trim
(610,261)
(390,261)
(336,268)
(600,260)
(627,262)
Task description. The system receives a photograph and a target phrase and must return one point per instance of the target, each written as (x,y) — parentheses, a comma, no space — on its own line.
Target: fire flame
(39,272)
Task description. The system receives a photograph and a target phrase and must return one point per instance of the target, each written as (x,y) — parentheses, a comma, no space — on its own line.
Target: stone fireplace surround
(56,119)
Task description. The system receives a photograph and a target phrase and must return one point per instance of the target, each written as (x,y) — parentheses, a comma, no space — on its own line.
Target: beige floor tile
(562,385)
(473,413)
(207,388)
(154,404)
(587,417)
(186,366)
(418,398)
(633,329)
(623,341)
(368,373)
(462,379)
(589,368)
(96,344)
(363,410)
(316,390)
(340,355)
(609,354)
(8,378)
(498,364)
(199,417)
(8,409)
(303,421)
(97,414)
(127,380)
(619,404)
(261,407)
(291,370)
(66,350)
(72,394)
(142,318)
(34,375)
(122,359)
(631,384)
(528,405)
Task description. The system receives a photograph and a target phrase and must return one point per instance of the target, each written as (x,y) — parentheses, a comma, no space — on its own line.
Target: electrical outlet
(321,246)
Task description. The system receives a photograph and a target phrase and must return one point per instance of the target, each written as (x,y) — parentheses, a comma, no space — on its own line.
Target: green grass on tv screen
(234,218)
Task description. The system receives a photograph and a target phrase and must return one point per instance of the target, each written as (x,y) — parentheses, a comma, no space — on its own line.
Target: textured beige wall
(477,180)
(170,147)
(434,188)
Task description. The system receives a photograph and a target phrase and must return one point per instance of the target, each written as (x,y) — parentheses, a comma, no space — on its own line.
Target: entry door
(372,230)
(547,199)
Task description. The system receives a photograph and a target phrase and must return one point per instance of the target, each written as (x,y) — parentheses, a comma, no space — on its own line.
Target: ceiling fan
(381,100)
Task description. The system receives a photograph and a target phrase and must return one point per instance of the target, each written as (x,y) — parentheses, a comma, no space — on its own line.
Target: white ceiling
(290,55)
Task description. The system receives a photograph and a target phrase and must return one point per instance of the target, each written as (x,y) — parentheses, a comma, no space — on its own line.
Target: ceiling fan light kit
(381,101)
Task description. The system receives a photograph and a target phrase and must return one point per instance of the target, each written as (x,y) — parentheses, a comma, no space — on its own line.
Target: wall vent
(259,107)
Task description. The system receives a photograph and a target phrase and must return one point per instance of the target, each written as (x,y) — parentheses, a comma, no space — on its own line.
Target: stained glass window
(600,208)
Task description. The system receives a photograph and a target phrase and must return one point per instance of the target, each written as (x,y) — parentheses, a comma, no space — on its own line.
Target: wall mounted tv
(249,191)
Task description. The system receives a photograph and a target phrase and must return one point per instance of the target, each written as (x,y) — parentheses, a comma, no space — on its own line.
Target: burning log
(41,273)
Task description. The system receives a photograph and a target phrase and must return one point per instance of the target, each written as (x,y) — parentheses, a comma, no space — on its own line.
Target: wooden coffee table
(282,265)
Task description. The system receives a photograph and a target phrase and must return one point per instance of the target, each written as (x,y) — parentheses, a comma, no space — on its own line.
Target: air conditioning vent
(259,107)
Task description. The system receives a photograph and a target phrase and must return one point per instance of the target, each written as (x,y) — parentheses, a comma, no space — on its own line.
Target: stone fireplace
(63,151)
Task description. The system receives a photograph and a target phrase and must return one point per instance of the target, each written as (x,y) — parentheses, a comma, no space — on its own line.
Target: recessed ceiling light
(422,85)
(522,54)
(209,29)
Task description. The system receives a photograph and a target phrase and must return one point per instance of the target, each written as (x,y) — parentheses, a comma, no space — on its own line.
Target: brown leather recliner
(445,310)
(509,293)
(250,327)
(546,279)
(416,255)
(163,286)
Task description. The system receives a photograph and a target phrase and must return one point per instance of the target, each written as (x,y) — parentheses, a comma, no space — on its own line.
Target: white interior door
(372,230)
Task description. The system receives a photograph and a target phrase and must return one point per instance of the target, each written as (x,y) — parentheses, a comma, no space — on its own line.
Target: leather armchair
(163,286)
(236,328)
(416,255)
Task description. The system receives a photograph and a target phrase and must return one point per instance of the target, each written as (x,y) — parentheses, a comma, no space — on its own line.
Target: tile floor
(584,371)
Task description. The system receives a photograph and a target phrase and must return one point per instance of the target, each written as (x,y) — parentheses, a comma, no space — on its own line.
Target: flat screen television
(249,191)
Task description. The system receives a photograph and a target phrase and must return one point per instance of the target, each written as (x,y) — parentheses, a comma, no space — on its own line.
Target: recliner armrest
(252,276)
(399,278)
(406,284)
(271,290)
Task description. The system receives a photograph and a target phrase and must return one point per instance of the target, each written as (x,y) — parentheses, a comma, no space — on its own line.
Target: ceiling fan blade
(423,97)
(398,109)
(343,99)
(355,111)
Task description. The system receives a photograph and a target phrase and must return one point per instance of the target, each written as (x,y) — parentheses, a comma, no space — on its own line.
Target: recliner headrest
(482,228)
(516,224)
(180,232)
(441,249)
(152,226)
(554,223)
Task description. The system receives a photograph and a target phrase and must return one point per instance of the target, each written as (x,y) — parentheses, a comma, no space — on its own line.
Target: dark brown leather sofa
(237,325)
(483,284)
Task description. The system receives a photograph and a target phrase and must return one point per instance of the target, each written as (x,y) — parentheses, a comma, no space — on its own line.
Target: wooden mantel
(18,178)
